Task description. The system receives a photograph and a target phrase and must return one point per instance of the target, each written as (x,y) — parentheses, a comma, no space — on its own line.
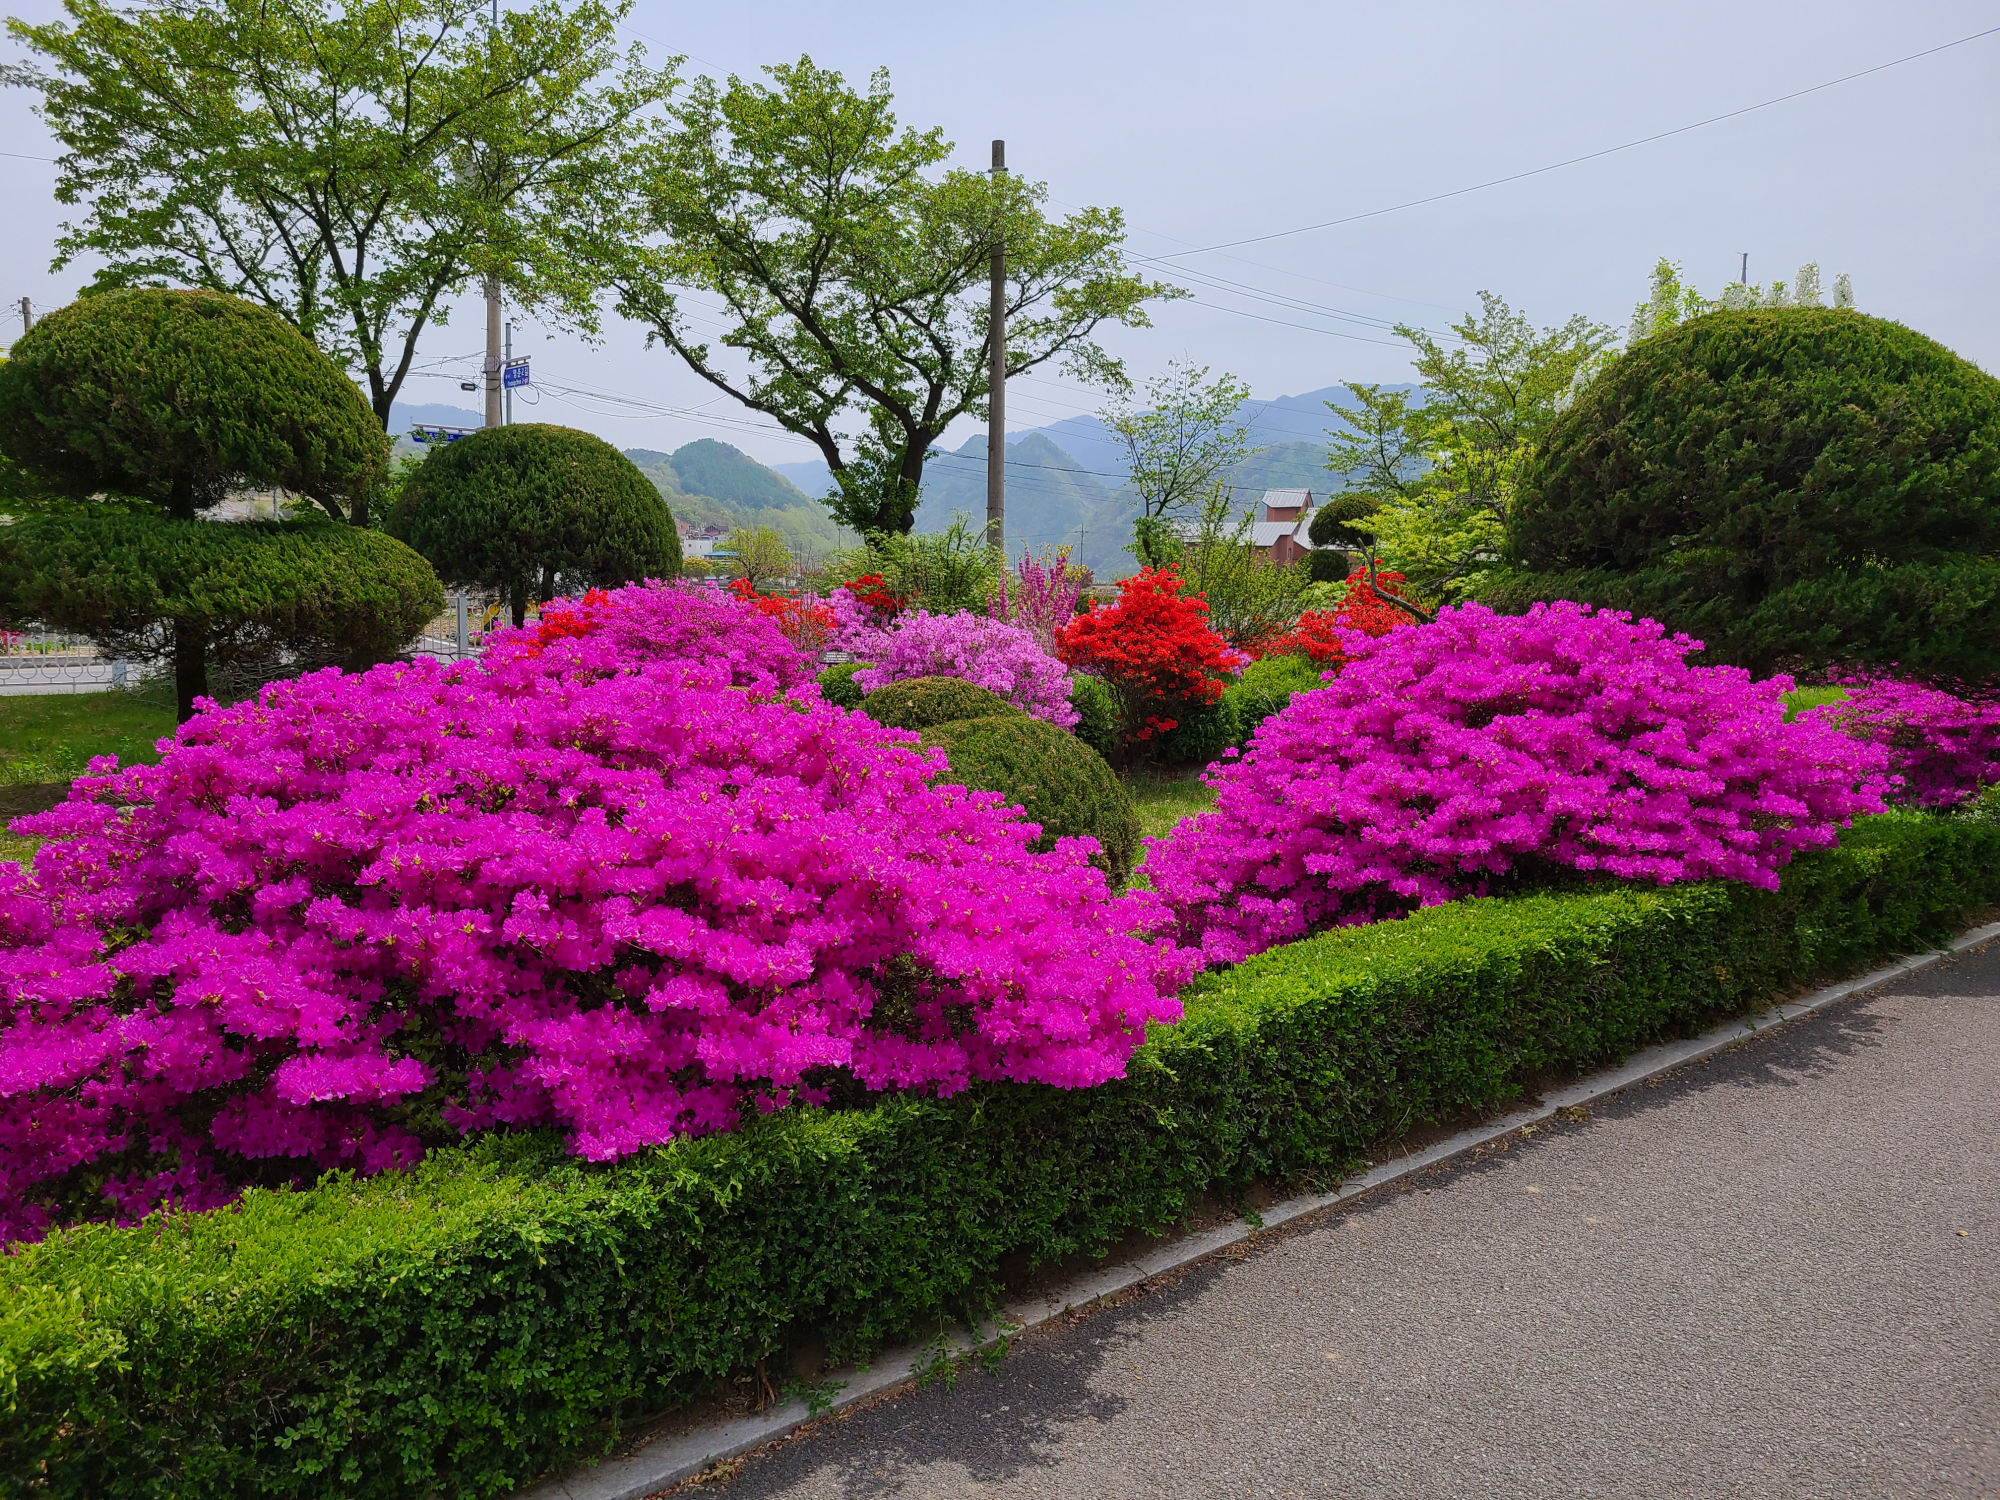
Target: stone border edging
(670,1461)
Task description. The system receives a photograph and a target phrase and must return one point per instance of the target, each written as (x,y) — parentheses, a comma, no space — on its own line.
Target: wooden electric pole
(493,357)
(996,418)
(27,315)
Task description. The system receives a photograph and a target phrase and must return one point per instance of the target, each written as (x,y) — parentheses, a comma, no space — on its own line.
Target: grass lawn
(52,737)
(1166,797)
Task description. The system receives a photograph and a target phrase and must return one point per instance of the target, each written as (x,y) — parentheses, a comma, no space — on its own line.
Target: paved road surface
(1745,1280)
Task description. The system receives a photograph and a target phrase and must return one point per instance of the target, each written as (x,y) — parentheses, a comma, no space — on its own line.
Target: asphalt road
(1776,1273)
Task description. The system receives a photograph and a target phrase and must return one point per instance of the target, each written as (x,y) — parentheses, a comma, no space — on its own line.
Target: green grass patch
(1798,700)
(1164,798)
(52,737)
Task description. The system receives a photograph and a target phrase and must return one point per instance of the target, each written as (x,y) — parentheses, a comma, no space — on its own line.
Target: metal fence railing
(39,662)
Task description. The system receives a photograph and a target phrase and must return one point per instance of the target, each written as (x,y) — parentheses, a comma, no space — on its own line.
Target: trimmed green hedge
(456,1330)
(921,702)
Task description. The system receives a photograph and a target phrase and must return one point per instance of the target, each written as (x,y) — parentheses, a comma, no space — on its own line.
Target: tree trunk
(190,669)
(517,601)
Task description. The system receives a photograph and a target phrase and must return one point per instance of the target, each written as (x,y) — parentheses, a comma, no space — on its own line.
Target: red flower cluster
(872,590)
(1318,632)
(1154,647)
(806,622)
(571,619)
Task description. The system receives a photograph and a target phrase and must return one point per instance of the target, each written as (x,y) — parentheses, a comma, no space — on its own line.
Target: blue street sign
(514,373)
(441,434)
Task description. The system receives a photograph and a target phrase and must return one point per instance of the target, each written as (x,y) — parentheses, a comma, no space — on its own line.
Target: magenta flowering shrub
(1445,755)
(368,913)
(663,622)
(1003,658)
(1941,747)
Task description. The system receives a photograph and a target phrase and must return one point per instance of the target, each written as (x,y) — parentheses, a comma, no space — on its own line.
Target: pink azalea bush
(1443,756)
(614,882)
(1941,747)
(991,653)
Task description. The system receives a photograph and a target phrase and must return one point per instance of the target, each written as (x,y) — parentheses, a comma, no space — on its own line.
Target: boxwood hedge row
(462,1328)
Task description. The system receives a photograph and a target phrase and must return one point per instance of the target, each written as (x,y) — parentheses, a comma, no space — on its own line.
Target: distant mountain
(707,483)
(405,415)
(706,467)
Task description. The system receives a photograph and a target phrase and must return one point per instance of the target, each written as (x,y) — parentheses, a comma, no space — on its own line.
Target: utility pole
(492,351)
(1745,277)
(510,358)
(996,379)
(27,315)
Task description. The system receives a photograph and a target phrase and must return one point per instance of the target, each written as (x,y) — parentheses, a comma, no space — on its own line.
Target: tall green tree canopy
(1442,462)
(853,273)
(1793,486)
(350,164)
(175,398)
(1178,447)
(531,509)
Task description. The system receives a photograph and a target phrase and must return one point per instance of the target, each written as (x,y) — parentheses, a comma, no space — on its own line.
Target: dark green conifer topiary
(1334,534)
(1792,486)
(532,510)
(920,702)
(1062,783)
(178,398)
(142,585)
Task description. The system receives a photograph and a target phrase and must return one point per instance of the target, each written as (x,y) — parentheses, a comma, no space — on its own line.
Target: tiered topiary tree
(533,509)
(1792,486)
(133,412)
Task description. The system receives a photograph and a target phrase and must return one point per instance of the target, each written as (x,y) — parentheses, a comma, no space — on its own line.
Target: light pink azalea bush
(1446,755)
(991,653)
(611,883)
(1941,747)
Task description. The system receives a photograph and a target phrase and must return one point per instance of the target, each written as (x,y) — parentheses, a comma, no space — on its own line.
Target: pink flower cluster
(1041,597)
(1942,747)
(991,653)
(1448,754)
(614,882)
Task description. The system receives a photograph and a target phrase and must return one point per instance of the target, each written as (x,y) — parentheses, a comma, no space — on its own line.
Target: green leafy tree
(853,274)
(757,553)
(1443,463)
(132,412)
(1792,486)
(531,510)
(1178,446)
(350,164)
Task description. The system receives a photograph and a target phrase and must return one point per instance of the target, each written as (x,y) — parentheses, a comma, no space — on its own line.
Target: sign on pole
(514,373)
(430,433)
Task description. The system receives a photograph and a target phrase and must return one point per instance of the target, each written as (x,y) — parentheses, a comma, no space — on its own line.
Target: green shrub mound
(1097,713)
(1794,487)
(1265,687)
(837,684)
(1334,534)
(178,398)
(921,702)
(460,1329)
(533,510)
(1059,781)
(141,585)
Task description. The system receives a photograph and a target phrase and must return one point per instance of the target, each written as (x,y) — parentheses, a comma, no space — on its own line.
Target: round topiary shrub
(920,702)
(534,509)
(837,684)
(1796,485)
(1059,781)
(180,397)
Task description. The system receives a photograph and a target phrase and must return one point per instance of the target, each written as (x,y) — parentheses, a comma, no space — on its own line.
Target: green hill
(706,467)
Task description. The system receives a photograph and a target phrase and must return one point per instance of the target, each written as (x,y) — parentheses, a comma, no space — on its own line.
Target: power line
(1478,187)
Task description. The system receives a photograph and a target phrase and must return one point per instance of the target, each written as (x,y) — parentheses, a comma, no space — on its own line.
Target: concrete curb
(669,1461)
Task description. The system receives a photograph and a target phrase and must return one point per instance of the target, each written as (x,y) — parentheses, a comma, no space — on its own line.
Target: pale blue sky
(1209,124)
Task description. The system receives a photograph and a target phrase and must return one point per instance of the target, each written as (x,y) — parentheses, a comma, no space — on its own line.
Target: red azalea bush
(872,591)
(1444,756)
(1320,633)
(1941,747)
(583,885)
(1155,648)
(806,623)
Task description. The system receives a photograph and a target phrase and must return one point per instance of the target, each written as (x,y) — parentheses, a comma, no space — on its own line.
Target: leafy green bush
(920,702)
(1097,709)
(461,1328)
(317,589)
(1062,783)
(1335,535)
(837,684)
(1265,687)
(1791,486)
(944,572)
(532,509)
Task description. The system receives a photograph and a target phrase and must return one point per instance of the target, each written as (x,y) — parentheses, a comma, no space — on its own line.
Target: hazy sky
(1216,123)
